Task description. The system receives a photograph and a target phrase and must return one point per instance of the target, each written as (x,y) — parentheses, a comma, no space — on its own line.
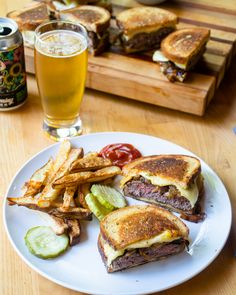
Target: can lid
(7,27)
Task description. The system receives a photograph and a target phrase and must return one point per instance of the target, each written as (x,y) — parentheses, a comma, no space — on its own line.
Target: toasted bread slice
(28,18)
(94,19)
(182,45)
(133,224)
(179,169)
(144,19)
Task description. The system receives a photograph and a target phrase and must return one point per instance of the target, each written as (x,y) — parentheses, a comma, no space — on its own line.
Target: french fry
(84,177)
(83,190)
(49,193)
(54,209)
(68,198)
(72,213)
(90,163)
(61,157)
(59,225)
(73,231)
(38,179)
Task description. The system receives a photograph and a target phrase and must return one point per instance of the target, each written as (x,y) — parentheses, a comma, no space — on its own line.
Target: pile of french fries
(60,186)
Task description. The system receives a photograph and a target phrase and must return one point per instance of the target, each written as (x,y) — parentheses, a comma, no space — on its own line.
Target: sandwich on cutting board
(96,21)
(180,51)
(143,28)
(171,181)
(139,234)
(31,16)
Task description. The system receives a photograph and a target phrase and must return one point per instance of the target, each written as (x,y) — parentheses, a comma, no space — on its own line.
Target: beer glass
(61,66)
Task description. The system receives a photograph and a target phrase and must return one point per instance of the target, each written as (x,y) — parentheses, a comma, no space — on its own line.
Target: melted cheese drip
(164,237)
(159,56)
(191,193)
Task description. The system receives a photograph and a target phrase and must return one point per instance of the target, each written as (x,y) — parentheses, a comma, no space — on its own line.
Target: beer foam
(61,43)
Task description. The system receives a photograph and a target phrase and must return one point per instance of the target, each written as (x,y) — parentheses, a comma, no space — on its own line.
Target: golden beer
(61,66)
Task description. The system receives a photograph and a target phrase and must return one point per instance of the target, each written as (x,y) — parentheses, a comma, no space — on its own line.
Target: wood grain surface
(210,137)
(138,72)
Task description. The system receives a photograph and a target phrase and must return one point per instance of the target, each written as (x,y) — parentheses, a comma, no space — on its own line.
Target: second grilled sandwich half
(139,234)
(171,181)
(143,28)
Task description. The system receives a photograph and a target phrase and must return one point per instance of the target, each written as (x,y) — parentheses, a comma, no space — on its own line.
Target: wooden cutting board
(137,77)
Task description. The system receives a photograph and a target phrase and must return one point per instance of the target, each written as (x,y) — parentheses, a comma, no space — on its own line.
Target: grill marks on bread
(135,223)
(172,167)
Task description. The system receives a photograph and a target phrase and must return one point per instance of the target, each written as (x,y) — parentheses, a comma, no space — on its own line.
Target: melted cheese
(111,254)
(181,66)
(159,56)
(191,193)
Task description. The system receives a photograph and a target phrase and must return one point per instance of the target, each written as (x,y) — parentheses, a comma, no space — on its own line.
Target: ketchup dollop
(120,153)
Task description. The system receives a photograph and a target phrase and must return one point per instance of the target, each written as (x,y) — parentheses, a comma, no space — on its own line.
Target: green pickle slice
(44,243)
(98,209)
(108,196)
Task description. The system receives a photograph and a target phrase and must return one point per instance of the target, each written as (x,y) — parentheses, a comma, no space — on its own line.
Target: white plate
(81,267)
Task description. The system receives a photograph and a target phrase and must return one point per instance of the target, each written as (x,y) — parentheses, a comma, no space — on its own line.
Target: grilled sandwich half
(31,16)
(180,51)
(135,235)
(171,181)
(96,21)
(143,28)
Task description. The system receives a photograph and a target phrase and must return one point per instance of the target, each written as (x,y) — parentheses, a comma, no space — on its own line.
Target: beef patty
(139,256)
(142,189)
(146,41)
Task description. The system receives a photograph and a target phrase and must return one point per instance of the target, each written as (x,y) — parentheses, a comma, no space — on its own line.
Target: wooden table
(210,137)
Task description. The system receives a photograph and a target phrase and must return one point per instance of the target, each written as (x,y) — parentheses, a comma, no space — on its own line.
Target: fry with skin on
(73,231)
(84,177)
(49,193)
(55,208)
(59,225)
(90,163)
(83,190)
(61,157)
(68,198)
(38,179)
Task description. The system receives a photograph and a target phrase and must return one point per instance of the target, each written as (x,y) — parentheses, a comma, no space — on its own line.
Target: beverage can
(13,88)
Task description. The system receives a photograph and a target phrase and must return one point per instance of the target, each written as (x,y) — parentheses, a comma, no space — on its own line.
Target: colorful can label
(13,88)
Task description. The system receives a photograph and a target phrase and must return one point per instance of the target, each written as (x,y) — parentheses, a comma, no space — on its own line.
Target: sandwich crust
(93,18)
(139,19)
(30,17)
(181,45)
(140,222)
(181,169)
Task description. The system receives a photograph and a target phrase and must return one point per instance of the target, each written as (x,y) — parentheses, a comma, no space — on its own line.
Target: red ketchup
(120,153)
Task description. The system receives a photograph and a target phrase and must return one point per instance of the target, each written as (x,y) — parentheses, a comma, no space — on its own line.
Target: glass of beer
(61,67)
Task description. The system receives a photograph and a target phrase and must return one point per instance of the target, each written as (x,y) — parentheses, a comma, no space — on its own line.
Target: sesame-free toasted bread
(144,19)
(28,18)
(93,18)
(181,45)
(180,169)
(133,224)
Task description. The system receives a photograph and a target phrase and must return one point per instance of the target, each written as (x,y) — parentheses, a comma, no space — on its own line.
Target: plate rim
(71,286)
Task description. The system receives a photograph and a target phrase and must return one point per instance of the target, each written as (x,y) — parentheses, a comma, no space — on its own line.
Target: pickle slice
(44,243)
(98,210)
(108,196)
